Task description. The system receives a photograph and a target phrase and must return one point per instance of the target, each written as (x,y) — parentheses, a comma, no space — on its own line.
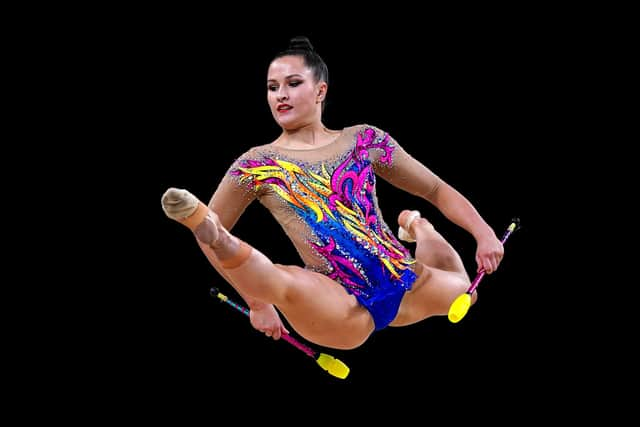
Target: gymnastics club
(329,363)
(461,304)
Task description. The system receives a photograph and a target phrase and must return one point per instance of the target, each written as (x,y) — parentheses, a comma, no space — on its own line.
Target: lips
(284,107)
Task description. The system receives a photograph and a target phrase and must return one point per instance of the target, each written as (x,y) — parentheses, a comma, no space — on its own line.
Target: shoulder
(379,144)
(366,129)
(361,127)
(368,134)
(253,157)
(247,166)
(255,152)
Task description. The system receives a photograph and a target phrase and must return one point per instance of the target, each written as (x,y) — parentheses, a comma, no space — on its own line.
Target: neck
(308,135)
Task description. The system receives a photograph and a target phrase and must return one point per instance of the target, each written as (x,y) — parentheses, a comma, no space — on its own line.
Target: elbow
(434,192)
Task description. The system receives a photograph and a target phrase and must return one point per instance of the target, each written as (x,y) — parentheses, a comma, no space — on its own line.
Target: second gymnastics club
(329,363)
(461,304)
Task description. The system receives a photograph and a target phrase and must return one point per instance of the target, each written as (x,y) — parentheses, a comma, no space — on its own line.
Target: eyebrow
(287,77)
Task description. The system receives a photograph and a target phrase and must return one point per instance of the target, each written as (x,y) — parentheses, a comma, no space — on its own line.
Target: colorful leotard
(325,200)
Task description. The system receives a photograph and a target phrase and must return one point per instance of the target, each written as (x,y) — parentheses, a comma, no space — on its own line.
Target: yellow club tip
(332,365)
(459,308)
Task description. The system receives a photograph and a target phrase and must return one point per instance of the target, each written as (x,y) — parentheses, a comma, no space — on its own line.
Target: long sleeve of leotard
(405,172)
(232,196)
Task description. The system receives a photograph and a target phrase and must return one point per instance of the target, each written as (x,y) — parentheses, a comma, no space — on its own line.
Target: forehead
(286,66)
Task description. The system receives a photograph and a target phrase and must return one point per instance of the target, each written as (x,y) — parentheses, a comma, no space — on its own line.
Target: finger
(493,263)
(285,330)
(483,265)
(488,266)
(276,334)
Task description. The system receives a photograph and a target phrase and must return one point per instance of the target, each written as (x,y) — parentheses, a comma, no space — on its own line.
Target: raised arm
(408,174)
(229,202)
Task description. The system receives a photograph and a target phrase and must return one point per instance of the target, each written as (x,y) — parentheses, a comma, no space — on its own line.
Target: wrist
(256,305)
(484,233)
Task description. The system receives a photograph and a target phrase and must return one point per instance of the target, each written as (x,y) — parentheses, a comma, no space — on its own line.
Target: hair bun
(300,43)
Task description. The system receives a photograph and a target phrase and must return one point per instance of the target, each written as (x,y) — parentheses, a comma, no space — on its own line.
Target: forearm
(254,304)
(459,210)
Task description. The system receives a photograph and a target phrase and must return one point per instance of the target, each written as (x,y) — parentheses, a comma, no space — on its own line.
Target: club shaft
(288,338)
(481,273)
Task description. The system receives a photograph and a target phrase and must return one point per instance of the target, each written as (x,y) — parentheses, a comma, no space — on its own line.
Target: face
(295,98)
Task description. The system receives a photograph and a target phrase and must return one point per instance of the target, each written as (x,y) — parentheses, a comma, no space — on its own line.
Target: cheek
(304,98)
(271,99)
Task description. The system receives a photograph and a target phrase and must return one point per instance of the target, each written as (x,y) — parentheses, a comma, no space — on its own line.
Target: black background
(477,102)
(467,106)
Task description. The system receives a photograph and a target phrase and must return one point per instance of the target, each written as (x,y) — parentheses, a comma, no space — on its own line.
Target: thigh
(431,295)
(322,311)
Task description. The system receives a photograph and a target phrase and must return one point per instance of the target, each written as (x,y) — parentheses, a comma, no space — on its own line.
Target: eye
(272,87)
(295,83)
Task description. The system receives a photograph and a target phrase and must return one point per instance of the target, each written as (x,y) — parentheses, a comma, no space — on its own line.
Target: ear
(322,91)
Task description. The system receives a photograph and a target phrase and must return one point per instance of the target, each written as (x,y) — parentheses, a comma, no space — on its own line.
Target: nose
(282,95)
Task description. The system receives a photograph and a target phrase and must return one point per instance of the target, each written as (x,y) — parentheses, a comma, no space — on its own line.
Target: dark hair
(301,46)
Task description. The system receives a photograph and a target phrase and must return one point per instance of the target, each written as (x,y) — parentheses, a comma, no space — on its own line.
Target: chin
(288,124)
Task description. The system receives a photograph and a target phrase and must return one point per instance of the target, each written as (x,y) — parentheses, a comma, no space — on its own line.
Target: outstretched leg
(185,208)
(316,307)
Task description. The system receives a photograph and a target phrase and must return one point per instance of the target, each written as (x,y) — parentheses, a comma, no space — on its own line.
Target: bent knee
(287,277)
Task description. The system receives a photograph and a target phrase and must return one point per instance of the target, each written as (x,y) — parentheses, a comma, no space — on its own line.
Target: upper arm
(407,173)
(231,198)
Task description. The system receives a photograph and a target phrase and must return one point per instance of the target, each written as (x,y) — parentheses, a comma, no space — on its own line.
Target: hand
(489,254)
(266,319)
